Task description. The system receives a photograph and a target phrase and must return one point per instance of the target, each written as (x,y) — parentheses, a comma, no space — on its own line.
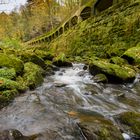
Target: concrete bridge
(87,9)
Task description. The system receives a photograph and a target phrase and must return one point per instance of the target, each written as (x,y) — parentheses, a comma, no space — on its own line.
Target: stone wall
(109,34)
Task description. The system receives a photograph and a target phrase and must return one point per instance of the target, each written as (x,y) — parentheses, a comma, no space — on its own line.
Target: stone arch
(53,36)
(46,39)
(60,31)
(74,20)
(86,13)
(50,38)
(56,33)
(66,26)
(43,40)
(101,5)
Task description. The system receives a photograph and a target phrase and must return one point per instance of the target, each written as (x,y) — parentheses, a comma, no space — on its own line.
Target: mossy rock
(100,78)
(118,60)
(22,82)
(61,61)
(44,55)
(32,57)
(8,73)
(32,75)
(11,62)
(9,94)
(7,84)
(98,128)
(132,55)
(130,121)
(114,73)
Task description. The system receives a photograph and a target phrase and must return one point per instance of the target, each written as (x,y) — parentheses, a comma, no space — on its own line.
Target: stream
(45,110)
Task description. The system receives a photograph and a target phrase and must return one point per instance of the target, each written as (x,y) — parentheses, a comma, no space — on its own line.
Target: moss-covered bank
(21,69)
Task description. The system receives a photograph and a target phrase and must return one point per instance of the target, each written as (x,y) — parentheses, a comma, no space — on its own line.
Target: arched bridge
(87,9)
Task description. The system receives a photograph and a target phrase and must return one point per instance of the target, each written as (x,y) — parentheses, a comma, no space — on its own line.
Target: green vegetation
(8,73)
(32,75)
(11,62)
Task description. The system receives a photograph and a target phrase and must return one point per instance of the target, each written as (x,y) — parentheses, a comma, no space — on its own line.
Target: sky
(11,5)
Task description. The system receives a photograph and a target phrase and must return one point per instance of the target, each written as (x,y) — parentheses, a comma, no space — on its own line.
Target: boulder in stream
(113,72)
(132,55)
(129,122)
(60,63)
(95,127)
(100,78)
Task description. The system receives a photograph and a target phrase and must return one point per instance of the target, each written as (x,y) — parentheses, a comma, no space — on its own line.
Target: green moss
(132,120)
(29,56)
(100,78)
(122,73)
(32,75)
(99,128)
(133,54)
(61,61)
(8,73)
(9,94)
(7,84)
(119,61)
(117,48)
(44,54)
(21,81)
(11,62)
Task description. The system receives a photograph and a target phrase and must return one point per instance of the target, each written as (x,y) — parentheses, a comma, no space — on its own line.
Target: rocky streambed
(72,105)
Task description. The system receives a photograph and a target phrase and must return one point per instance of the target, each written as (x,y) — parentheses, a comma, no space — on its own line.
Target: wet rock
(100,78)
(113,72)
(11,62)
(55,68)
(32,75)
(129,122)
(57,84)
(60,63)
(81,73)
(12,135)
(98,128)
(85,67)
(60,74)
(49,71)
(93,89)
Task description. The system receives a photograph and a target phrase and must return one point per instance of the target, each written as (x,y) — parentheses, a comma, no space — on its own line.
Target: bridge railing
(85,11)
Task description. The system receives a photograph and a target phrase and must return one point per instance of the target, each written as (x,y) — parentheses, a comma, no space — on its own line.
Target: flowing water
(70,89)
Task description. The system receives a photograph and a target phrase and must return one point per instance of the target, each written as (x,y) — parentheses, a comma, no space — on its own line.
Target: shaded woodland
(35,18)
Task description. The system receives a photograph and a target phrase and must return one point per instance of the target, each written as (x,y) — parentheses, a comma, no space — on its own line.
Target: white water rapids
(45,109)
